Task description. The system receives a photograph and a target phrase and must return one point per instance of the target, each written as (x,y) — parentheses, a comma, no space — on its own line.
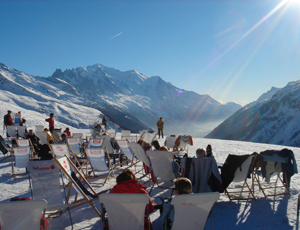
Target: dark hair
(51,114)
(63,135)
(183,185)
(160,118)
(125,175)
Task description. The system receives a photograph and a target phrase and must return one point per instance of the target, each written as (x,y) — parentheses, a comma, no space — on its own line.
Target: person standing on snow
(104,122)
(160,126)
(51,122)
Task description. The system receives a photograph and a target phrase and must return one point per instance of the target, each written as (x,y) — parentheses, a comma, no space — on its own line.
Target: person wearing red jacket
(67,131)
(127,183)
(51,122)
(8,120)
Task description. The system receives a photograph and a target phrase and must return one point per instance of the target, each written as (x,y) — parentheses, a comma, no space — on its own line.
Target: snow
(270,213)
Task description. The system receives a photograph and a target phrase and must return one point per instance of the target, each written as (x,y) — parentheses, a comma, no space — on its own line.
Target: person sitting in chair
(127,183)
(182,186)
(97,131)
(200,153)
(63,139)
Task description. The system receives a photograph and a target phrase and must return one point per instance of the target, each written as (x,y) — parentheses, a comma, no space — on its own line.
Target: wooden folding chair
(100,161)
(241,175)
(19,158)
(274,185)
(85,190)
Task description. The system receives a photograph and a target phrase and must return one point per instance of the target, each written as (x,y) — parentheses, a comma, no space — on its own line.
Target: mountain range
(129,99)
(274,119)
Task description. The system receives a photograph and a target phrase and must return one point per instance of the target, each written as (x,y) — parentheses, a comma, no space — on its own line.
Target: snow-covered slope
(274,121)
(131,99)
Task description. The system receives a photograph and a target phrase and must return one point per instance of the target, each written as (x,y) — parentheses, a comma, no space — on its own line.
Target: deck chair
(61,150)
(11,131)
(22,214)
(44,180)
(125,133)
(21,131)
(125,211)
(83,189)
(149,137)
(273,184)
(182,142)
(127,152)
(80,135)
(170,142)
(240,175)
(56,135)
(39,128)
(139,153)
(19,159)
(193,210)
(161,162)
(75,145)
(111,132)
(26,143)
(43,137)
(204,175)
(129,138)
(100,161)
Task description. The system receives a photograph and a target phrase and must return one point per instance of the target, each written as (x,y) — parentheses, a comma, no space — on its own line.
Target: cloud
(115,36)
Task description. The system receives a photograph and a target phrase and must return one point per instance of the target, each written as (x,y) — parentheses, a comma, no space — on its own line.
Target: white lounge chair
(80,135)
(100,162)
(241,175)
(125,133)
(39,128)
(149,137)
(43,137)
(170,142)
(192,210)
(111,132)
(22,214)
(19,159)
(125,211)
(21,131)
(88,194)
(161,162)
(127,152)
(11,131)
(46,185)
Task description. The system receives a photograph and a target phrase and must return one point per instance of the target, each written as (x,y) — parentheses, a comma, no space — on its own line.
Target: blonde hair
(163,148)
(183,185)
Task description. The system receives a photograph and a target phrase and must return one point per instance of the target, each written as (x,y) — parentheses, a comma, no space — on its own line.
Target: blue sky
(231,50)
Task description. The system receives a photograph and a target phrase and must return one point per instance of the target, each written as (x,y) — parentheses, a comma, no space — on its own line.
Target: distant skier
(160,126)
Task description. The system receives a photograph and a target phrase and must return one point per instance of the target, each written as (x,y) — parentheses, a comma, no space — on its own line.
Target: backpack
(6,120)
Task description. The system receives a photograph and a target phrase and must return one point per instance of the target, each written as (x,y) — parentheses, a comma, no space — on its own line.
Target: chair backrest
(21,156)
(192,210)
(55,133)
(43,137)
(125,210)
(75,144)
(59,135)
(200,173)
(241,172)
(21,131)
(75,135)
(149,137)
(23,142)
(60,150)
(129,138)
(125,149)
(22,214)
(161,162)
(139,153)
(95,143)
(125,132)
(97,159)
(39,128)
(106,144)
(44,176)
(111,132)
(170,142)
(11,130)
